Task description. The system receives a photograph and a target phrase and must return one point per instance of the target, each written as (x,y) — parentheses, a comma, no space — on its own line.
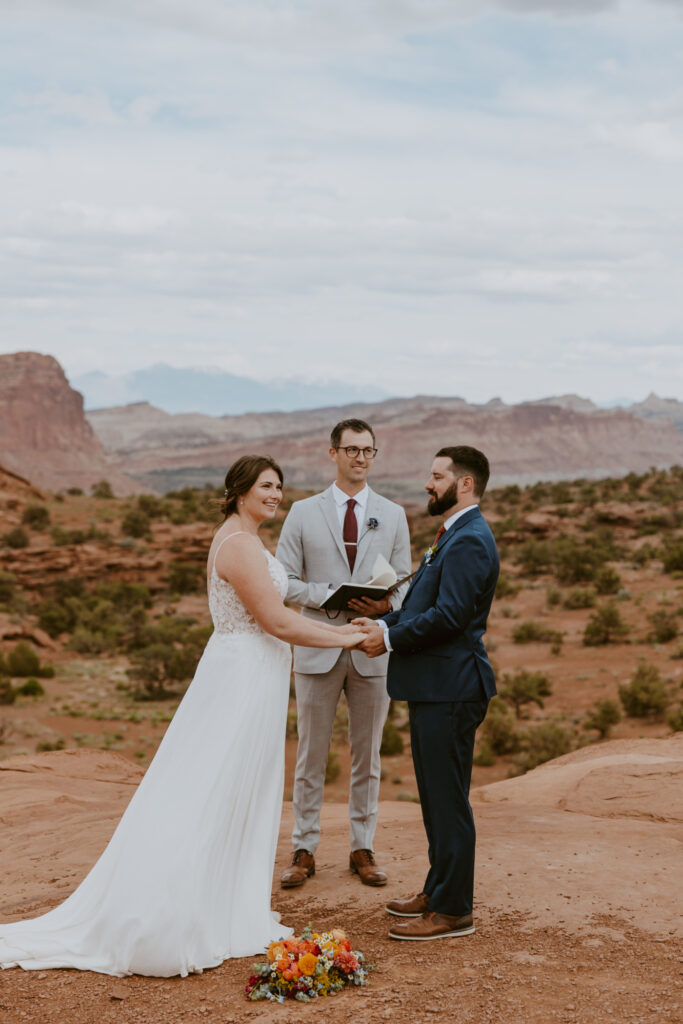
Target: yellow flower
(338,935)
(307,963)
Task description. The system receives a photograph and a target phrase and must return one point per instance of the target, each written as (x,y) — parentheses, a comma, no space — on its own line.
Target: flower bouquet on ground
(306,967)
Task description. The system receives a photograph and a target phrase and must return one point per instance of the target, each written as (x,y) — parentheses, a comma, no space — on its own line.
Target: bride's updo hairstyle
(242,476)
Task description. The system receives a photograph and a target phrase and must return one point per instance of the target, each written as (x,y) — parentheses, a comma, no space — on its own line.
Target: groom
(334,538)
(438,663)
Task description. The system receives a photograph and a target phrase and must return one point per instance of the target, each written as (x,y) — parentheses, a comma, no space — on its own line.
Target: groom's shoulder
(312,501)
(387,505)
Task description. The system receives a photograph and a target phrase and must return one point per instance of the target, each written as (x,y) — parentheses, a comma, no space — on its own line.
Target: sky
(469,197)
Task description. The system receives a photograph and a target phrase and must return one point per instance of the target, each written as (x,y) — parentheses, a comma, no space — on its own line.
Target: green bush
(392,741)
(7,583)
(184,577)
(672,557)
(535,557)
(532,632)
(525,688)
(505,587)
(645,553)
(498,728)
(607,580)
(151,505)
(646,695)
(553,596)
(16,538)
(675,719)
(485,755)
(135,523)
(8,694)
(31,688)
(664,626)
(604,715)
(333,767)
(543,743)
(23,661)
(102,489)
(605,626)
(36,516)
(579,597)
(55,618)
(46,745)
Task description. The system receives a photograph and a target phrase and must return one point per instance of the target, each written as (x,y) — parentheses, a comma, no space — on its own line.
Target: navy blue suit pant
(442,741)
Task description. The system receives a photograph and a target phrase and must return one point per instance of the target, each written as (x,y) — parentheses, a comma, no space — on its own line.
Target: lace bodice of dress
(227,611)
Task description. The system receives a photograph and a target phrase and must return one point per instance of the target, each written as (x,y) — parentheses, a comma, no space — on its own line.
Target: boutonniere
(372,523)
(429,553)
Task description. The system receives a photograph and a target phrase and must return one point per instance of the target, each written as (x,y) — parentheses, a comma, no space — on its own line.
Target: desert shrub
(604,715)
(498,728)
(607,580)
(543,743)
(36,516)
(505,587)
(102,489)
(672,556)
(126,596)
(646,695)
(31,688)
(645,553)
(8,694)
(485,755)
(158,668)
(7,583)
(184,577)
(531,632)
(55,618)
(605,626)
(23,661)
(392,741)
(579,597)
(167,629)
(74,491)
(333,767)
(151,505)
(664,626)
(553,596)
(46,745)
(675,719)
(525,688)
(534,557)
(135,523)
(16,538)
(62,536)
(560,493)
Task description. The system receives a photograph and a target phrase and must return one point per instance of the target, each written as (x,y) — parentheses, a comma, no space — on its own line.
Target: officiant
(329,539)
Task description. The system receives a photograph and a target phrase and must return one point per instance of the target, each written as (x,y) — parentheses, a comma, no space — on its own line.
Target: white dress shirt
(361,500)
(447,524)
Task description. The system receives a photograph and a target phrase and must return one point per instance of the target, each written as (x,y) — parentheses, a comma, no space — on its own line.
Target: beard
(437,506)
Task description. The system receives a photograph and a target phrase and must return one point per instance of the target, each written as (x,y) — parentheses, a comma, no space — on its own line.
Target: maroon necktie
(439,534)
(350,532)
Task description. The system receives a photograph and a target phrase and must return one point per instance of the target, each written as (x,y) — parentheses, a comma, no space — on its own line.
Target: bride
(185,881)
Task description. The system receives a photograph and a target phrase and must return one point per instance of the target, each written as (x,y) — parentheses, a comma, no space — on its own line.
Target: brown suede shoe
(301,868)
(362,863)
(433,926)
(416,906)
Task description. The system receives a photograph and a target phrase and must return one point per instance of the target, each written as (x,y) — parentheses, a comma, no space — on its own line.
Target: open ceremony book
(384,581)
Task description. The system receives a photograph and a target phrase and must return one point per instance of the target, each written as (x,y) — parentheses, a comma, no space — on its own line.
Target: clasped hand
(372,643)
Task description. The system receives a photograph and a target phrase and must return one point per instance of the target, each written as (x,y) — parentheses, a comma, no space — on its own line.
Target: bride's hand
(352,639)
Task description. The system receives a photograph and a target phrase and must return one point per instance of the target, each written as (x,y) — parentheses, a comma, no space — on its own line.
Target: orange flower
(307,963)
(338,935)
(276,950)
(282,964)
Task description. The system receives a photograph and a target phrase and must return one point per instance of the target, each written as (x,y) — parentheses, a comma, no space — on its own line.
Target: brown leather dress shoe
(416,906)
(362,863)
(433,926)
(301,868)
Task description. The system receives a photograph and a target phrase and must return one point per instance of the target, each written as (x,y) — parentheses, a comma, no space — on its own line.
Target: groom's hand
(373,645)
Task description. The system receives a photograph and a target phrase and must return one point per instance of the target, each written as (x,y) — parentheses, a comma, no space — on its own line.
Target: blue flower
(373,523)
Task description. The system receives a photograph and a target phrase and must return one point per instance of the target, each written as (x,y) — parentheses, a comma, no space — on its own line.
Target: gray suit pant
(317,697)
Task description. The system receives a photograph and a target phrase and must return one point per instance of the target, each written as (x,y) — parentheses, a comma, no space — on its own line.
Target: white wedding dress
(185,881)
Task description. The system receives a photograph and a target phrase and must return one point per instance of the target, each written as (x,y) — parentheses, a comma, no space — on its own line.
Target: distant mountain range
(214,392)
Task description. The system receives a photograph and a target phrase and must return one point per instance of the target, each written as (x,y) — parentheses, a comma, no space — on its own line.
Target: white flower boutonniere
(429,553)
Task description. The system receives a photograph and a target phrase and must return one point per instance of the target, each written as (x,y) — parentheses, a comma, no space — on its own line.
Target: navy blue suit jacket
(436,635)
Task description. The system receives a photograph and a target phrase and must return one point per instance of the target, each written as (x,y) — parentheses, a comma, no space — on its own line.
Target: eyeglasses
(352,451)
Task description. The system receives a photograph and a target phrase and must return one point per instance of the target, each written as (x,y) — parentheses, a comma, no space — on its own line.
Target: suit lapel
(329,507)
(444,542)
(365,534)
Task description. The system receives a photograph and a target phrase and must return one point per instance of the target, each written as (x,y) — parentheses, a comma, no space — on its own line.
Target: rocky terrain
(524,443)
(44,434)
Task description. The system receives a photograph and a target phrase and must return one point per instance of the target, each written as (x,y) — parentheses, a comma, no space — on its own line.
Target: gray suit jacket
(311,548)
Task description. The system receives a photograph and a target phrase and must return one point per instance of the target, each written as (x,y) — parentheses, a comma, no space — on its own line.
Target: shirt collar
(461,512)
(361,498)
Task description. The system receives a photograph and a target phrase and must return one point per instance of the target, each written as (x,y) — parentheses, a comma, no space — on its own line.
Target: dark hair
(358,426)
(242,476)
(471,461)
